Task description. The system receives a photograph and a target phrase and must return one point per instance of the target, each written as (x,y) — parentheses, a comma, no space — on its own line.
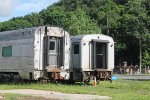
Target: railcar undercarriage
(6,77)
(99,74)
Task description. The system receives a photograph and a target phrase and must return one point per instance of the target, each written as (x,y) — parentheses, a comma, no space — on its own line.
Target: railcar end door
(100,55)
(76,55)
(53,45)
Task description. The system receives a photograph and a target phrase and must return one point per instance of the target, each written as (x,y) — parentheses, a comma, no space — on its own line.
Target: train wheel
(43,80)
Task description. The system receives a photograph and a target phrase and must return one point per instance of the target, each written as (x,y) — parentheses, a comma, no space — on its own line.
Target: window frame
(7,51)
(52,45)
(76,48)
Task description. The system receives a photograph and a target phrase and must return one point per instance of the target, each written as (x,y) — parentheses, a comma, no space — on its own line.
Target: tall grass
(118,90)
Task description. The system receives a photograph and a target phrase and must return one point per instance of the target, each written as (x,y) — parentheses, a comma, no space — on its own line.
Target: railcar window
(7,51)
(52,45)
(76,48)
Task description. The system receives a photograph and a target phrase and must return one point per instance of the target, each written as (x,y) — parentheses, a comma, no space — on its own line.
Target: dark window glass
(52,45)
(76,48)
(7,51)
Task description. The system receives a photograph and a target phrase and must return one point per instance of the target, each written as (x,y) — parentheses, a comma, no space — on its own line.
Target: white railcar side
(92,54)
(27,52)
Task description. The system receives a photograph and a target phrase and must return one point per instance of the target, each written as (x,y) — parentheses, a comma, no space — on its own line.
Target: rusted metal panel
(54,70)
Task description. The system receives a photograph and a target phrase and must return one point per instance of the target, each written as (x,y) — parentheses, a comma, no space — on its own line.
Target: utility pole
(140,54)
(107,25)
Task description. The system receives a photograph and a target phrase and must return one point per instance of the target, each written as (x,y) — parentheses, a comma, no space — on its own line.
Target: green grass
(118,90)
(9,96)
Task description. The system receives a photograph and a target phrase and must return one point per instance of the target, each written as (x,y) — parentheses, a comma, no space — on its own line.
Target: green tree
(79,23)
(34,18)
(135,23)
(15,24)
(109,16)
(146,58)
(0,26)
(54,16)
(76,22)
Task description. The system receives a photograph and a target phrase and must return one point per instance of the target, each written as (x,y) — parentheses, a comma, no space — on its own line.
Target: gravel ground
(56,95)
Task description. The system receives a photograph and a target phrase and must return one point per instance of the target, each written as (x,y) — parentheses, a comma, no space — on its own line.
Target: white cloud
(7,7)
(16,8)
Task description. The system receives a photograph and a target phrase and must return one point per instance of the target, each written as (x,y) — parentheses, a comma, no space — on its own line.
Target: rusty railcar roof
(18,34)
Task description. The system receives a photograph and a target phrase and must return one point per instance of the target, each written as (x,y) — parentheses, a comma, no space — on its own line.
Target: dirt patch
(51,95)
(34,98)
(2,98)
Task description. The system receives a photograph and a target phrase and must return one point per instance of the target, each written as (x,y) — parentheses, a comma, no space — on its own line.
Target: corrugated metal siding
(22,55)
(53,61)
(17,34)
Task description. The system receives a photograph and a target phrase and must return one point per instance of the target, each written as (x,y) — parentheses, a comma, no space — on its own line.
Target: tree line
(127,21)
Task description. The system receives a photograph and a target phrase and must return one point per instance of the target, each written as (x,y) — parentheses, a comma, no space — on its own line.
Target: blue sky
(16,8)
